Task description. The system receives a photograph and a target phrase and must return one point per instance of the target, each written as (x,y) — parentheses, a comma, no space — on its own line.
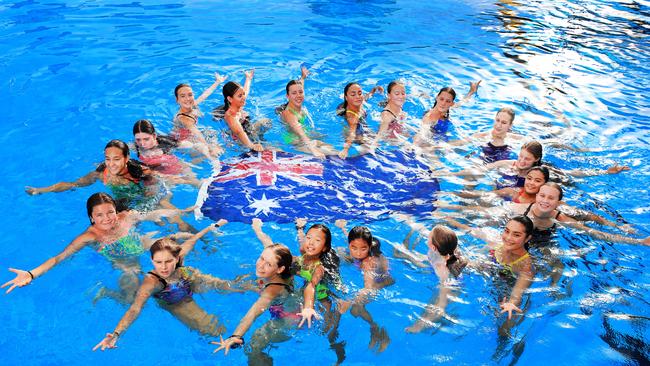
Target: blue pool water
(77,74)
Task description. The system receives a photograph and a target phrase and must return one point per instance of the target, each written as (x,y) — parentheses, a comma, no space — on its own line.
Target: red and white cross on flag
(267,167)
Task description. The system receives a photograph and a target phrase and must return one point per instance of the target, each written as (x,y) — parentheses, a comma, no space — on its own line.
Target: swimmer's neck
(234,110)
(534,209)
(353,108)
(394,107)
(295,107)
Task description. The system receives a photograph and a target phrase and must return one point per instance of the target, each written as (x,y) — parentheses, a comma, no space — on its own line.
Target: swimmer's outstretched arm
(614,169)
(524,280)
(309,295)
(189,244)
(144,292)
(218,79)
(24,278)
(262,303)
(202,282)
(615,238)
(375,89)
(84,181)
(249,79)
(156,215)
(300,231)
(261,235)
(433,312)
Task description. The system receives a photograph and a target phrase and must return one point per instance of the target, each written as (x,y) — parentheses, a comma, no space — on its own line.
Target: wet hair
(134,167)
(178,87)
(446,243)
(363,233)
(97,199)
(340,110)
(292,82)
(449,90)
(536,149)
(328,257)
(169,245)
(144,126)
(557,187)
(529,227)
(284,257)
(508,111)
(229,89)
(390,87)
(542,169)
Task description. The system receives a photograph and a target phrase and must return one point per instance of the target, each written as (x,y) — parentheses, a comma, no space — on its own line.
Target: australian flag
(279,186)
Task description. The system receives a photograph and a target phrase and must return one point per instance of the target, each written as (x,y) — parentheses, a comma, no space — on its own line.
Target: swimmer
(156,151)
(295,117)
(355,115)
(435,122)
(238,120)
(392,125)
(186,119)
(111,234)
(173,284)
(445,260)
(365,253)
(273,268)
(126,178)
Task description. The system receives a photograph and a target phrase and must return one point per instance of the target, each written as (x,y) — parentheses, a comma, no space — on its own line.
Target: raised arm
(84,181)
(218,79)
(24,278)
(144,292)
(249,79)
(473,88)
(261,235)
(189,244)
(375,89)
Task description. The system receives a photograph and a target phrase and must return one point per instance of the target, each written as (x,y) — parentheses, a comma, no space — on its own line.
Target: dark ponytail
(229,89)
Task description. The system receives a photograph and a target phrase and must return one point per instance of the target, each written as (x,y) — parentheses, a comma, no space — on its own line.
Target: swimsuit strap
(558,214)
(389,111)
(519,259)
(287,287)
(528,209)
(353,113)
(295,113)
(188,115)
(162,280)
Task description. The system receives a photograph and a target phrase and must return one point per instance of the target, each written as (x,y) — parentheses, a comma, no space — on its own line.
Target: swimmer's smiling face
(115,160)
(145,140)
(354,96)
(359,249)
(534,180)
(314,242)
(526,160)
(185,98)
(267,265)
(547,199)
(514,236)
(397,95)
(164,263)
(444,101)
(238,99)
(104,216)
(296,94)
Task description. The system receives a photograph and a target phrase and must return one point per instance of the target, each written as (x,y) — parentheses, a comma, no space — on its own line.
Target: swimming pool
(80,73)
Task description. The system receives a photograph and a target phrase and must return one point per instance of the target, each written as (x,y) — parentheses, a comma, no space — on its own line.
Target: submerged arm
(189,244)
(84,181)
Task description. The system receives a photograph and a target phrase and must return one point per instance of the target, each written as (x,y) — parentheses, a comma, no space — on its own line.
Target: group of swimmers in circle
(141,191)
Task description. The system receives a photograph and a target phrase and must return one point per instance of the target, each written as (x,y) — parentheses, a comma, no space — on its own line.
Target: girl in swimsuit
(111,234)
(435,122)
(296,118)
(273,268)
(365,253)
(125,177)
(352,110)
(392,117)
(445,260)
(186,119)
(238,120)
(172,285)
(156,151)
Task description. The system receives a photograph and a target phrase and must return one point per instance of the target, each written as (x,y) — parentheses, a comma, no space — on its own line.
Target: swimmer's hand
(509,307)
(221,223)
(257,147)
(645,241)
(219,78)
(249,74)
(315,151)
(304,73)
(227,344)
(307,314)
(617,169)
(23,278)
(108,342)
(628,229)
(343,154)
(344,306)
(473,86)
(341,223)
(32,191)
(257,224)
(301,222)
